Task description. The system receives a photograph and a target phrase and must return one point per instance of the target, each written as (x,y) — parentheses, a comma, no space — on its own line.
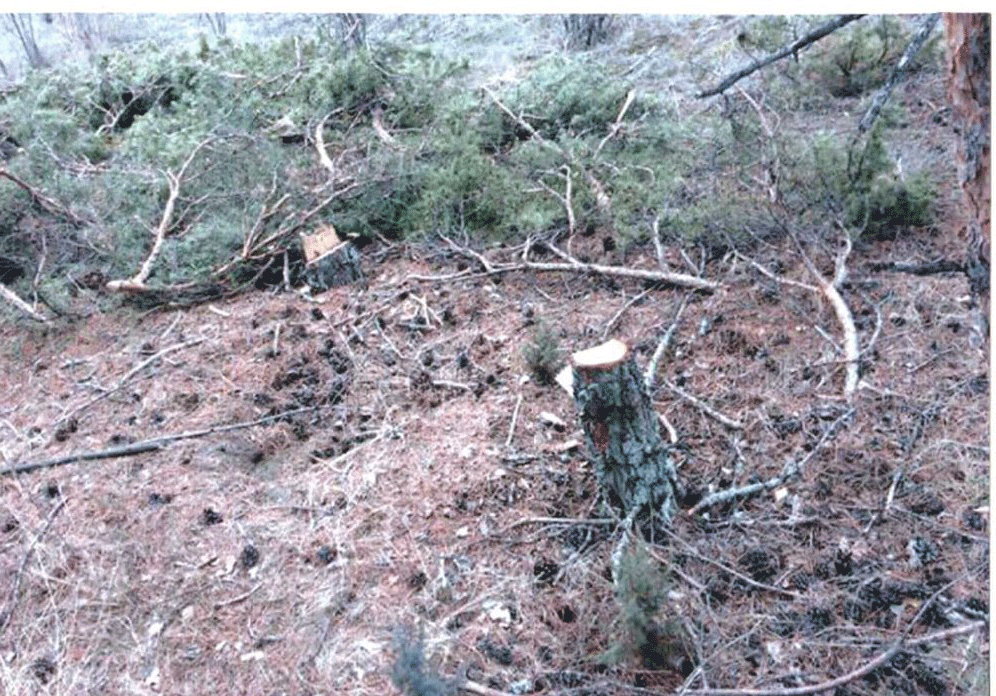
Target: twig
(651,372)
(705,408)
(15,591)
(861,671)
(601,198)
(790,470)
(843,312)
(732,571)
(323,156)
(44,201)
(565,200)
(515,418)
(557,520)
(792,49)
(618,315)
(614,129)
(145,445)
(131,373)
(239,598)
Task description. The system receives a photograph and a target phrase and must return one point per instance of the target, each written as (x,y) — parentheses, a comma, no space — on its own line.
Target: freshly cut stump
(623,433)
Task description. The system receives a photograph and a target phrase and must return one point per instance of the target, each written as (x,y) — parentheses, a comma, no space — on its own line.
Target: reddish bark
(968,42)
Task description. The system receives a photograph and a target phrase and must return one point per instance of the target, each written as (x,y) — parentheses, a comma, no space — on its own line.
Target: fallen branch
(705,408)
(602,200)
(20,304)
(843,312)
(920,269)
(145,445)
(131,373)
(792,49)
(323,156)
(572,265)
(137,282)
(789,471)
(861,671)
(650,373)
(44,201)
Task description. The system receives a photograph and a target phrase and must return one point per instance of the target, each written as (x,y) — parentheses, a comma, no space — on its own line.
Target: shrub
(411,673)
(542,353)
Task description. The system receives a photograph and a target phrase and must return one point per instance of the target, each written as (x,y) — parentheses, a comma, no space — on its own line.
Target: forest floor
(425,481)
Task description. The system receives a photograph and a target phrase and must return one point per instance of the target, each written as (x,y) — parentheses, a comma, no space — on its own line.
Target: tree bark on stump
(622,431)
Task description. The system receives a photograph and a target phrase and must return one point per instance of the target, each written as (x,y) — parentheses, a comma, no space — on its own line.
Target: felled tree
(622,431)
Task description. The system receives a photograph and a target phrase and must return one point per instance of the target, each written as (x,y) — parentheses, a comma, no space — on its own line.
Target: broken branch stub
(623,433)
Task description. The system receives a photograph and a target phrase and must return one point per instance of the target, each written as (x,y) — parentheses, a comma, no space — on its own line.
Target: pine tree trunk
(623,433)
(968,39)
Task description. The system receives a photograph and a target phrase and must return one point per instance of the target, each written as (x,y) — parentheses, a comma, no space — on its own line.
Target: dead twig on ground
(880,659)
(20,304)
(705,408)
(790,50)
(861,671)
(611,325)
(651,372)
(131,373)
(789,471)
(15,591)
(732,571)
(572,265)
(515,419)
(147,445)
(831,289)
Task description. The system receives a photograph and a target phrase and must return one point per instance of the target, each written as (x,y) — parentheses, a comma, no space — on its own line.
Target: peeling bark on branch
(622,431)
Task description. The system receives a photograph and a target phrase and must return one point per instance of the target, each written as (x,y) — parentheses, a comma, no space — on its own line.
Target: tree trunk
(968,41)
(586,31)
(622,430)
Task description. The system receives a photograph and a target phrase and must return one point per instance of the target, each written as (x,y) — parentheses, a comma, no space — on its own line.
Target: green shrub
(542,353)
(645,630)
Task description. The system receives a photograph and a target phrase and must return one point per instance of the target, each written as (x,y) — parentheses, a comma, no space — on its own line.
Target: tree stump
(622,430)
(329,261)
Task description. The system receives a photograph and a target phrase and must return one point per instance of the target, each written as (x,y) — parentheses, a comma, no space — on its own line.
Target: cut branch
(602,200)
(20,304)
(792,49)
(573,265)
(137,282)
(843,312)
(44,201)
(789,471)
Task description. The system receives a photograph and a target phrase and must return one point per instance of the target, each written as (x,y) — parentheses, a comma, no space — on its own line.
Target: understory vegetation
(570,143)
(383,485)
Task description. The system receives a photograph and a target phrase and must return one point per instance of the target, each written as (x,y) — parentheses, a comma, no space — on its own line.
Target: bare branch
(914,46)
(792,49)
(137,282)
(20,304)
(145,445)
(44,201)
